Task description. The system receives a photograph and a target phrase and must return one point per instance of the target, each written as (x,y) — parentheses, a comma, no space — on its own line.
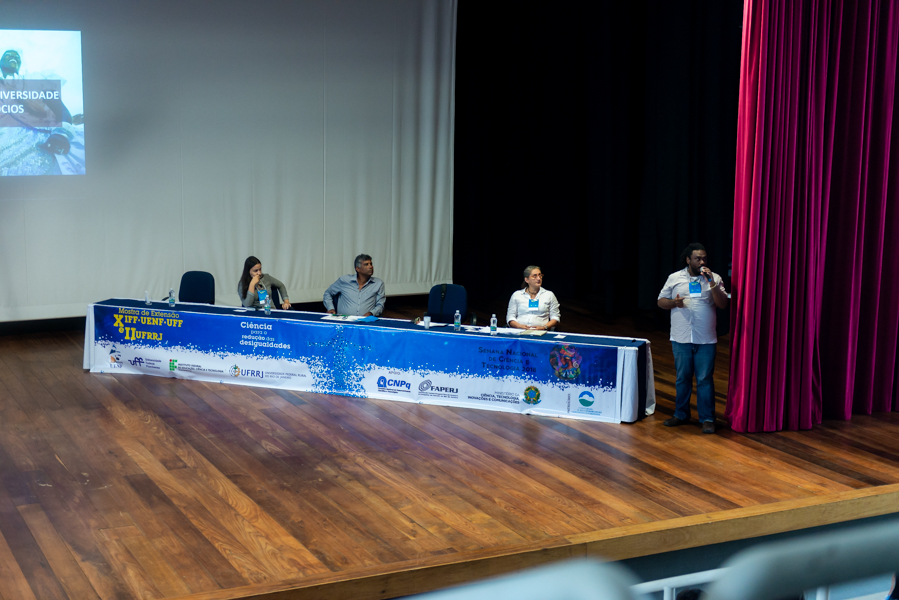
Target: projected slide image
(41,103)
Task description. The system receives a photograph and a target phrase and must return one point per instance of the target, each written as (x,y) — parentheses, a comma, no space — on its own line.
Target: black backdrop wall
(596,144)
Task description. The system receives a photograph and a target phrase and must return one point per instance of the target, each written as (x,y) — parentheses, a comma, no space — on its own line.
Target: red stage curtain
(815,314)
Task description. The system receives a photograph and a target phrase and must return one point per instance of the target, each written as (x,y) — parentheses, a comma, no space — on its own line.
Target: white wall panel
(300,132)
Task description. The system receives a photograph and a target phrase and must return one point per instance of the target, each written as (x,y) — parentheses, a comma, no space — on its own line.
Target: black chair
(276,298)
(335,299)
(444,300)
(197,286)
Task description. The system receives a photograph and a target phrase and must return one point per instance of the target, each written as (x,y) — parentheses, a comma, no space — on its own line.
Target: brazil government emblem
(531,395)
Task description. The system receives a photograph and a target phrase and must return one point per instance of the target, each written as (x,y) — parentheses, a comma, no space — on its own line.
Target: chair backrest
(197,286)
(335,299)
(276,298)
(577,579)
(786,568)
(444,300)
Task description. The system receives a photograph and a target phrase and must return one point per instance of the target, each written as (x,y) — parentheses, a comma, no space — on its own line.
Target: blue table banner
(574,376)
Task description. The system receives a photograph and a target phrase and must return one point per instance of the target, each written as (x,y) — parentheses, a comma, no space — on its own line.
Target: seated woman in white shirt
(533,306)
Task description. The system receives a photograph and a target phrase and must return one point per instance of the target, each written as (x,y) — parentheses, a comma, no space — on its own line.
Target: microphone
(708,274)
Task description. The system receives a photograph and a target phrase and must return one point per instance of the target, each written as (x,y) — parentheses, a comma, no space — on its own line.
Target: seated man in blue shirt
(359,294)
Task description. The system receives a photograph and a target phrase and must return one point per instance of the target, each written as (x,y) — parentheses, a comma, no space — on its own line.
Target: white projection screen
(301,132)
(41,120)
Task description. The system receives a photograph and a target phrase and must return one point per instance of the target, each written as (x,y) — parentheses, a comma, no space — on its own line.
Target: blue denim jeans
(698,359)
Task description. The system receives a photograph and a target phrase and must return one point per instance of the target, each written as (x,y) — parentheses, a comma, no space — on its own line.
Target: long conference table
(559,374)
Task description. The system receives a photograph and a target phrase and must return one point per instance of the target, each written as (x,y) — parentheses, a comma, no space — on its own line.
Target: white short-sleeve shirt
(541,311)
(695,323)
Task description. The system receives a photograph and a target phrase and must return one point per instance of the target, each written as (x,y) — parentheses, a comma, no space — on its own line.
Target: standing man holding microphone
(692,295)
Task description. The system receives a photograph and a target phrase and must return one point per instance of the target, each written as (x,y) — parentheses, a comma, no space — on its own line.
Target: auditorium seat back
(197,286)
(444,300)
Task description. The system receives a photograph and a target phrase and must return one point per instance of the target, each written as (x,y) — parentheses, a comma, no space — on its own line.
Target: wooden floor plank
(258,532)
(227,536)
(77,523)
(351,460)
(298,508)
(220,456)
(715,464)
(60,559)
(27,553)
(498,465)
(473,491)
(191,538)
(129,569)
(234,463)
(118,486)
(13,582)
(401,469)
(611,466)
(163,576)
(138,421)
(194,576)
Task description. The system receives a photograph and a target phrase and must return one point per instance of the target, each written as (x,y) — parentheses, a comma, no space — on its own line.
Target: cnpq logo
(393,385)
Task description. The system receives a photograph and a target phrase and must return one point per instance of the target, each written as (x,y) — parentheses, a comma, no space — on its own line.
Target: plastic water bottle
(172,297)
(492,324)
(457,321)
(147,297)
(268,305)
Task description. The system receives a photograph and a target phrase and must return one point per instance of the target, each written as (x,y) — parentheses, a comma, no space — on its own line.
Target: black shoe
(674,422)
(708,427)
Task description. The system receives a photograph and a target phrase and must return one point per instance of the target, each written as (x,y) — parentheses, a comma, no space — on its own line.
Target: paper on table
(342,318)
(476,329)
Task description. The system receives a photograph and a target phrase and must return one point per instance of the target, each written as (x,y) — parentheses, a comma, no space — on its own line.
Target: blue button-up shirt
(355,301)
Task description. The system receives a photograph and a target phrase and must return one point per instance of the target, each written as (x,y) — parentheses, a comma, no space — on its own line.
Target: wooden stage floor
(142,487)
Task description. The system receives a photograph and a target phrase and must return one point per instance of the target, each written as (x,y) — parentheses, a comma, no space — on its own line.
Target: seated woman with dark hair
(255,286)
(533,306)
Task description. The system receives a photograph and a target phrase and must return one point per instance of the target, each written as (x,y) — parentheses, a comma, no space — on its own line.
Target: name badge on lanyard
(533,304)
(262,295)
(695,289)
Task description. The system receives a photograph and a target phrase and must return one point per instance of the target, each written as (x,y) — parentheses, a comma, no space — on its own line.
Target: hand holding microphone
(707,273)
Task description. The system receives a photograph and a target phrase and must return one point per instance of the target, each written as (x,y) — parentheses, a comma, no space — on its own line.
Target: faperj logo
(586,398)
(428,386)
